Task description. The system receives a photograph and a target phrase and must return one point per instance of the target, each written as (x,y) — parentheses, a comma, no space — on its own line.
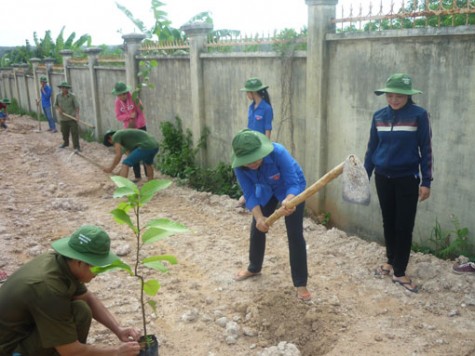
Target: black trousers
(398,201)
(296,241)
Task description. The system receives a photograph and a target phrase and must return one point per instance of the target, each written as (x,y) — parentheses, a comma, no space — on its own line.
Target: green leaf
(171,259)
(149,189)
(117,264)
(151,287)
(125,206)
(168,225)
(122,218)
(155,234)
(155,262)
(157,265)
(123,191)
(124,182)
(153,305)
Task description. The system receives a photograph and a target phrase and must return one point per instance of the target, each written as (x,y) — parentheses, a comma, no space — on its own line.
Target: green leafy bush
(220,180)
(176,155)
(447,244)
(177,159)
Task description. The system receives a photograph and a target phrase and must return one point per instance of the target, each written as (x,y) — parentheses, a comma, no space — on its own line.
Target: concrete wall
(224,76)
(171,96)
(441,62)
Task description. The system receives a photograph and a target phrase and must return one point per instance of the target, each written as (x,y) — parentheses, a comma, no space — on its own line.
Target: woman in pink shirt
(129,112)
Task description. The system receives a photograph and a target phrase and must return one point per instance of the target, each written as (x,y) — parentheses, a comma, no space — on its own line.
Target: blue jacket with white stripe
(400,144)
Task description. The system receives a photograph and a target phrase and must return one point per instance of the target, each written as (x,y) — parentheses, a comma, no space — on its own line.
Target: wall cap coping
(133,37)
(402,33)
(92,50)
(321,2)
(197,28)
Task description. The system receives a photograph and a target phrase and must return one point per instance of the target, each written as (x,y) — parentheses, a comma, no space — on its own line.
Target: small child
(4,112)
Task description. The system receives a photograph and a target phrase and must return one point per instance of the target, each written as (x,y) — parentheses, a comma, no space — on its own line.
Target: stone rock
(282,349)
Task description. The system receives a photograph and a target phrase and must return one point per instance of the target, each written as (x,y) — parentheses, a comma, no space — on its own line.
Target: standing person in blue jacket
(46,92)
(400,153)
(260,113)
(269,175)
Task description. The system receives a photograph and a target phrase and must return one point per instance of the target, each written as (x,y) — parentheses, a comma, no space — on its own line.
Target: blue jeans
(49,116)
(297,246)
(140,155)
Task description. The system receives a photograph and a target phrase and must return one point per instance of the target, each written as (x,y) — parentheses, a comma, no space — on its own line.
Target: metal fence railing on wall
(164,47)
(240,43)
(258,43)
(398,14)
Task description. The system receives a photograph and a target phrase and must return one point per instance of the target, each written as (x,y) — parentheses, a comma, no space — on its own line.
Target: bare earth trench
(47,193)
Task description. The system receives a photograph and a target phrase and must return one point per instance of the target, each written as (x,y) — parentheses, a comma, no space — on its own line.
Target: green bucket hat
(108,134)
(64,85)
(120,88)
(254,84)
(88,244)
(250,146)
(6,101)
(399,83)
(43,79)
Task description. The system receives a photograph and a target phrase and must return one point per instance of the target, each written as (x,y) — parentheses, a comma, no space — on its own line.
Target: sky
(106,23)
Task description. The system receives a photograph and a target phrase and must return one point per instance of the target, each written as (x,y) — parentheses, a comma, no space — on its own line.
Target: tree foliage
(46,47)
(162,30)
(427,16)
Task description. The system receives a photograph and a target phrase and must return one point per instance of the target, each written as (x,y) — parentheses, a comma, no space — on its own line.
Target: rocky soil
(47,193)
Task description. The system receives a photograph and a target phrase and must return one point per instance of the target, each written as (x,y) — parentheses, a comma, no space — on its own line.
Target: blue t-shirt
(46,92)
(260,118)
(279,175)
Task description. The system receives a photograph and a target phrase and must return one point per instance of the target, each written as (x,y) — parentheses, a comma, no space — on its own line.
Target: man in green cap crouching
(138,145)
(45,308)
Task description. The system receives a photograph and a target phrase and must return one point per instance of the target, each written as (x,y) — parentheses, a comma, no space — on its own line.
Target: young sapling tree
(127,212)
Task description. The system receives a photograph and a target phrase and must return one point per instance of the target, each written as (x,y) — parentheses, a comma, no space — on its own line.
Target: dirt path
(47,193)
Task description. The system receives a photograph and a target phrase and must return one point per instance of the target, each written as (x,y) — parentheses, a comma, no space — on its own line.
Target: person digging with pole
(138,145)
(67,103)
(46,308)
(45,101)
(269,176)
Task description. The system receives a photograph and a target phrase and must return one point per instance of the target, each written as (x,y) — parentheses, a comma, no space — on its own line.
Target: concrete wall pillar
(67,54)
(197,34)
(320,14)
(49,62)
(34,63)
(132,43)
(24,69)
(15,83)
(3,88)
(92,54)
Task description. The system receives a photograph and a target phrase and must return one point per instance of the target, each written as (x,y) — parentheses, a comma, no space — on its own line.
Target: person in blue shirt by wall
(269,175)
(400,154)
(46,92)
(260,113)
